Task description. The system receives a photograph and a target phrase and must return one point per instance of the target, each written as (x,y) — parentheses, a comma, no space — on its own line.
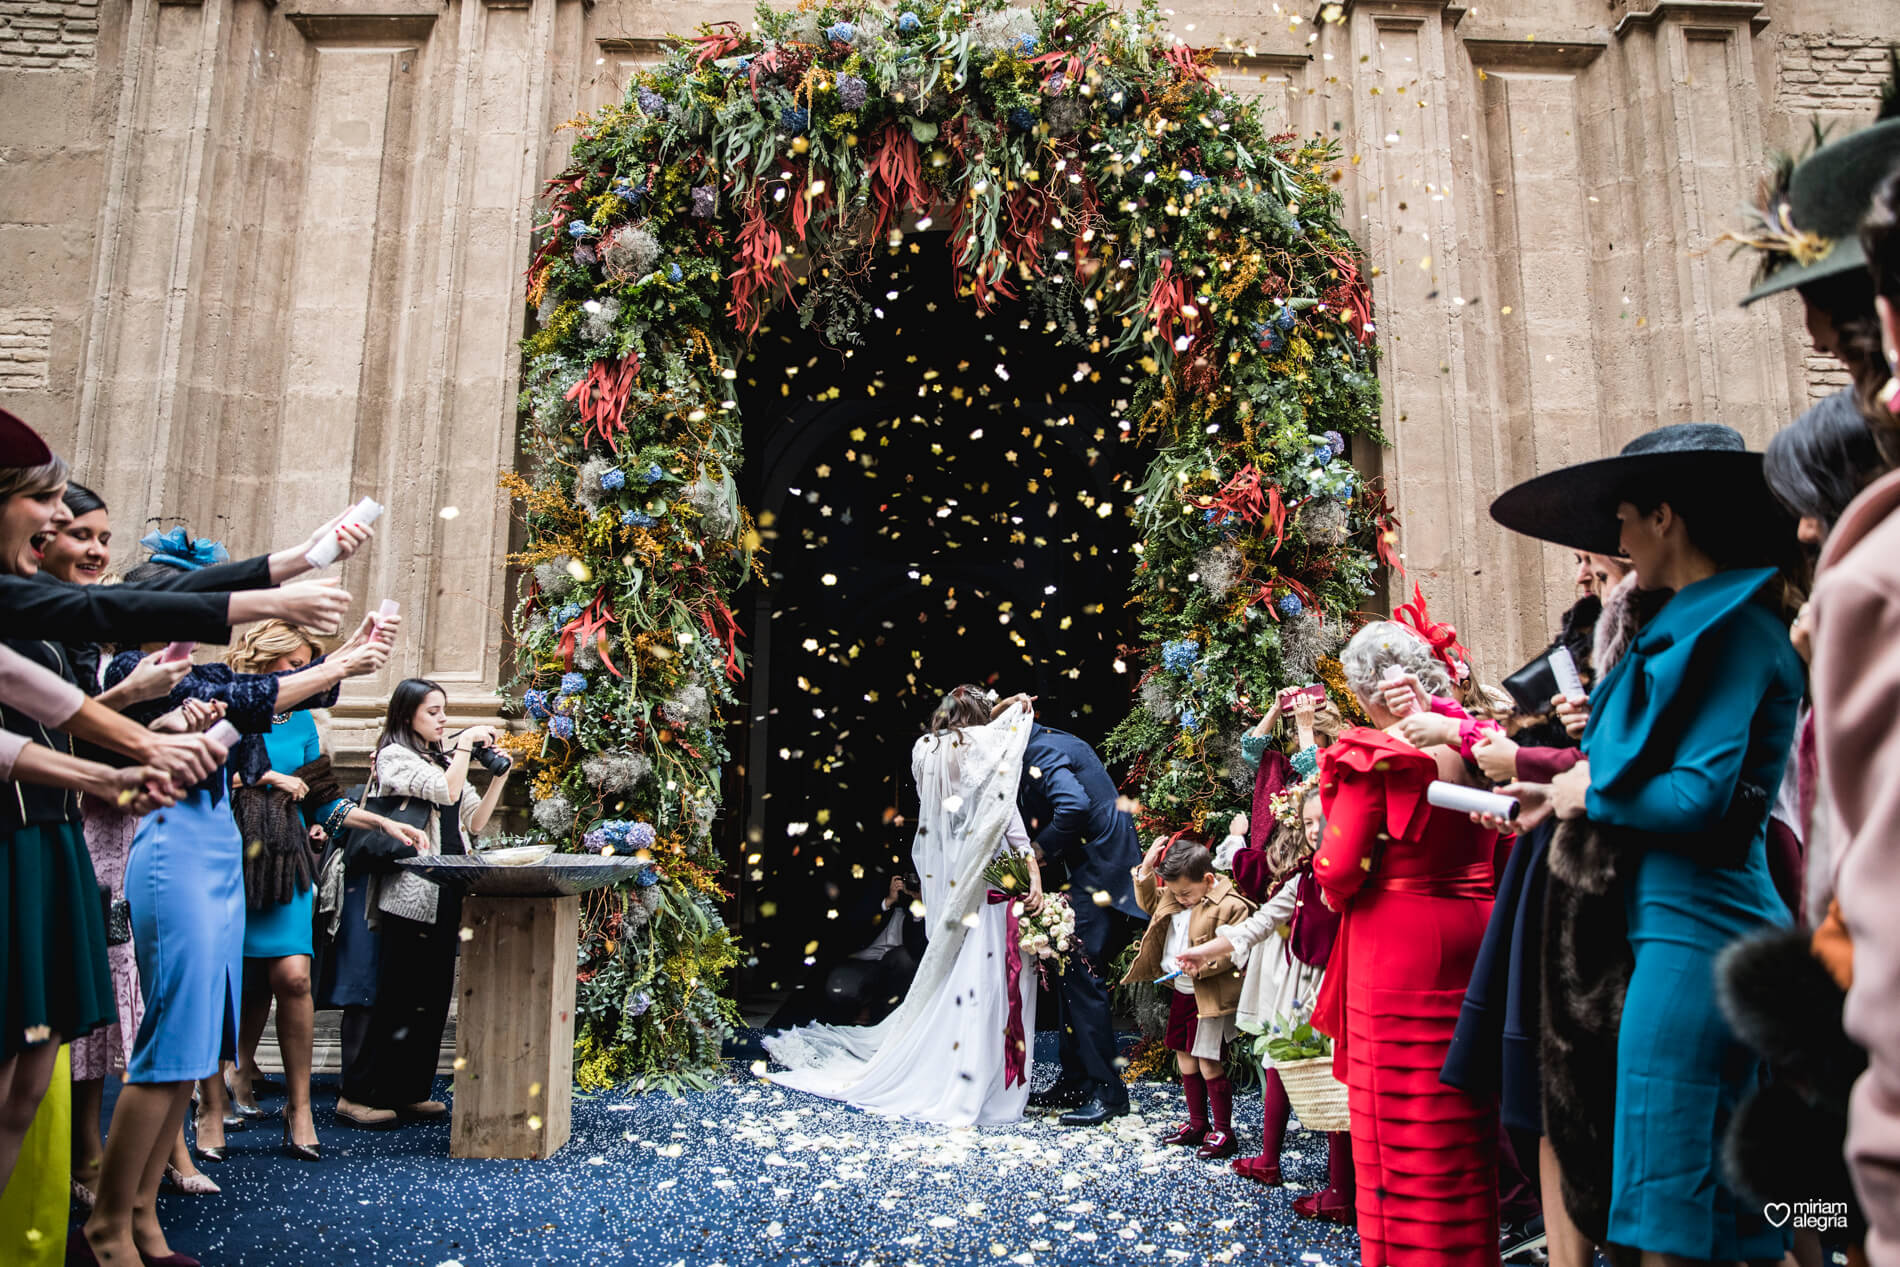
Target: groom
(1088,847)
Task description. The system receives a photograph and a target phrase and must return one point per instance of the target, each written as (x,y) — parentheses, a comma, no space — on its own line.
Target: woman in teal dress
(280,889)
(1687,738)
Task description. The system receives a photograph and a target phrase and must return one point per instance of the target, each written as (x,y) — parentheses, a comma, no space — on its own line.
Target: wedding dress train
(942,1055)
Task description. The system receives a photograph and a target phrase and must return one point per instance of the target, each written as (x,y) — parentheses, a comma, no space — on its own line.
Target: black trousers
(390,1048)
(865,991)
(1087,1042)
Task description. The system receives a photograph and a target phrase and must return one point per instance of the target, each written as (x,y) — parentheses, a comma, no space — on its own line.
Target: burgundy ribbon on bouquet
(1015,1050)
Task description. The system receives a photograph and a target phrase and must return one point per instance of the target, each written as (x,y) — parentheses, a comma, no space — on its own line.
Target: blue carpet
(749,1173)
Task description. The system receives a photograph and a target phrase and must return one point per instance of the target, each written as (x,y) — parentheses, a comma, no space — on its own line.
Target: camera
(491,759)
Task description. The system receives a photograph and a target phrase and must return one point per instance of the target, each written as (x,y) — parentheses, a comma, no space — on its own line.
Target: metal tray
(562,875)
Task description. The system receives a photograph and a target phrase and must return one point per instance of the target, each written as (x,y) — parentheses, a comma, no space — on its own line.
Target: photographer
(391,1038)
(865,988)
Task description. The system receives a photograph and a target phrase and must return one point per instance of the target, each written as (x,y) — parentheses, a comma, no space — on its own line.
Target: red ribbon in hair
(1015,1046)
(1442,639)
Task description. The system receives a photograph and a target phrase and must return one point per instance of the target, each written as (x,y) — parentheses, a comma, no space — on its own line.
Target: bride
(958,1050)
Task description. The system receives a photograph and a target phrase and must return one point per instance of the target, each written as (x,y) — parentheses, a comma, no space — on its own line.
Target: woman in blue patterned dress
(280,893)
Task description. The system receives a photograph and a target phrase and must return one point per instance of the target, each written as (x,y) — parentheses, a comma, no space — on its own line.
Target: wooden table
(514,1045)
(514,1034)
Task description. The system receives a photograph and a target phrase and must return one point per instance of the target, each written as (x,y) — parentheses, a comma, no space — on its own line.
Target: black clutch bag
(118,913)
(1533,686)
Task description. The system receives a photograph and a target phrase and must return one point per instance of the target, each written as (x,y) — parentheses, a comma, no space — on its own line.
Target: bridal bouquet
(1047,933)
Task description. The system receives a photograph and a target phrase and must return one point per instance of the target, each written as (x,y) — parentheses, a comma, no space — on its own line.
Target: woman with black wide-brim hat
(1688,736)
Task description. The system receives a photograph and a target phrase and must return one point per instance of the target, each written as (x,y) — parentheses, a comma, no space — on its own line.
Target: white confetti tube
(225,733)
(1470,800)
(175,652)
(1563,667)
(362,515)
(389,608)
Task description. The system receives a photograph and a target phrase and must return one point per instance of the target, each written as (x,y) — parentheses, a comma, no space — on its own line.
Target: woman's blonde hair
(31,481)
(268,641)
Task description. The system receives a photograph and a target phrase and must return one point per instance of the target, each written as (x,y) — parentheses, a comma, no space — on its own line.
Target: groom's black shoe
(1098,1110)
(1063,1093)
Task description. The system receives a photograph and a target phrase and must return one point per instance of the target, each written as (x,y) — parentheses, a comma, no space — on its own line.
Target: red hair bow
(1442,639)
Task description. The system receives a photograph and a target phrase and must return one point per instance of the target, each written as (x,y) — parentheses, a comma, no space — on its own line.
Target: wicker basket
(1318,1098)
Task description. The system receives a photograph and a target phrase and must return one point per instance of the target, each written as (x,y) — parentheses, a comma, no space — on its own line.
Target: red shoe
(1219,1146)
(1259,1169)
(1185,1135)
(1325,1205)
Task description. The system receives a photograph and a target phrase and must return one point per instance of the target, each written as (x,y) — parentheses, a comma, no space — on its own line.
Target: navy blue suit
(1088,846)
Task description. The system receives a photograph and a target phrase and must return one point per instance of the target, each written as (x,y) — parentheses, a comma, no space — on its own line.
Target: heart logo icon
(1777,1212)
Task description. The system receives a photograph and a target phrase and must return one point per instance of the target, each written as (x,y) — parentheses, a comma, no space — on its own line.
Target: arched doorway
(949,504)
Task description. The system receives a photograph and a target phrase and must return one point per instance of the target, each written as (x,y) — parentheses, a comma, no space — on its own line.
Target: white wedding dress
(940,1056)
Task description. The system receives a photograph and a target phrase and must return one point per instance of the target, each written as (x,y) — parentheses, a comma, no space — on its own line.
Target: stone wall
(257,259)
(48,34)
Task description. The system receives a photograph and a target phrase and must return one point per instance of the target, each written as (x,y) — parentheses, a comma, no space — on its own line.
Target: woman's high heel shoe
(214,1154)
(302,1152)
(191,1185)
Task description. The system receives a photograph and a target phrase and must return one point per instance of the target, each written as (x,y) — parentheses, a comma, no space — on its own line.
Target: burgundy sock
(1274,1120)
(1196,1088)
(1339,1164)
(1220,1103)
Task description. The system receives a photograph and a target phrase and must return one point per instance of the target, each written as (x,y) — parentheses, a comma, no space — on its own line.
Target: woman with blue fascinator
(1663,840)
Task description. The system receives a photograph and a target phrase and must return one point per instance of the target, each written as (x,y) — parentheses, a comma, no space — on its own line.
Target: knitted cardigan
(403,771)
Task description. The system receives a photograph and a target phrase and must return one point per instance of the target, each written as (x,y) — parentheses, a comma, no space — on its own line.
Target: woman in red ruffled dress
(1414,887)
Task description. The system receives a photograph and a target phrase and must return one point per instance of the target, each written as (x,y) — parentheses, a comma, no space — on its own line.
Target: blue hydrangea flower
(569,613)
(794,120)
(573,683)
(742,65)
(636,519)
(1299,230)
(561,727)
(1026,45)
(841,32)
(654,474)
(1021,119)
(1345,489)
(852,90)
(1286,319)
(673,273)
(1335,442)
(651,102)
(647,877)
(536,702)
(1189,721)
(639,1003)
(613,479)
(908,23)
(642,835)
(578,228)
(1180,656)
(1322,452)
(1289,604)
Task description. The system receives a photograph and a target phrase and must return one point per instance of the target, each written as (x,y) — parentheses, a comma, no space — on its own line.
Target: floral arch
(1084,163)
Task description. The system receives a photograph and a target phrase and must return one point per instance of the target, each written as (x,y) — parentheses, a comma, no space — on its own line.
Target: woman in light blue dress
(185,884)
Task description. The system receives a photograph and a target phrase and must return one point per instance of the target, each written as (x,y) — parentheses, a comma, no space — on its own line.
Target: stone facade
(259,259)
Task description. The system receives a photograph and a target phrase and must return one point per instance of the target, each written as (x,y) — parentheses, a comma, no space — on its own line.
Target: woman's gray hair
(1381,645)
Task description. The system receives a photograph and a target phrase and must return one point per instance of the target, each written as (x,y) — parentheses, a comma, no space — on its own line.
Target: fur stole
(1586,969)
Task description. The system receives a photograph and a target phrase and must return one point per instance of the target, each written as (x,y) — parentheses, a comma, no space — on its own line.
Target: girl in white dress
(955,1051)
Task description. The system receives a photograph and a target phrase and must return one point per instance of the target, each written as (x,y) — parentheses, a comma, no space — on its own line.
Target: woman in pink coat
(1856,685)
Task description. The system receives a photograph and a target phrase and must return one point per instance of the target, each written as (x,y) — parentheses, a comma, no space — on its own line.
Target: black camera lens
(492,759)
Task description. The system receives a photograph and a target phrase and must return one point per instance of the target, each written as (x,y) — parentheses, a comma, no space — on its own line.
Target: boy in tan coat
(1185,909)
